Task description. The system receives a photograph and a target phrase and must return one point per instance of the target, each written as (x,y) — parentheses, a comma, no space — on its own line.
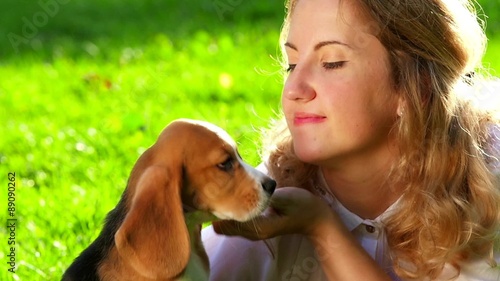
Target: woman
(387,161)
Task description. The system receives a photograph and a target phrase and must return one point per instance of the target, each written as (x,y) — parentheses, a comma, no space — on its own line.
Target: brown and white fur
(191,175)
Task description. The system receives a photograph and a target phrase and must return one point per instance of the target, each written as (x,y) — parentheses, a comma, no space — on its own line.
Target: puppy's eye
(227,165)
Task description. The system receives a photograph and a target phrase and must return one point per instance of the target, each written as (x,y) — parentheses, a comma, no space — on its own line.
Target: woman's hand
(292,210)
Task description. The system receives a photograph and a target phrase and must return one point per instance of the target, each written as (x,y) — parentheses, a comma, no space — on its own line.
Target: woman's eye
(326,65)
(227,165)
(291,67)
(333,65)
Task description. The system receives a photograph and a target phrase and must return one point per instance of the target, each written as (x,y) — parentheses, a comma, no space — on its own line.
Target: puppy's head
(194,164)
(215,178)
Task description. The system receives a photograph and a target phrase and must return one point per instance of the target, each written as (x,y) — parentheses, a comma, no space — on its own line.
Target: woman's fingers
(291,210)
(261,227)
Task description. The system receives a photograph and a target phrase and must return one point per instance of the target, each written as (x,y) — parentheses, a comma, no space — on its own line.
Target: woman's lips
(307,118)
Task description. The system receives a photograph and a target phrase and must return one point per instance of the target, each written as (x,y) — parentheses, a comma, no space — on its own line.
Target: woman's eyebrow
(320,45)
(331,42)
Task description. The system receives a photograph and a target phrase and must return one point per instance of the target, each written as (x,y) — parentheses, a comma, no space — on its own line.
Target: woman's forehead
(331,20)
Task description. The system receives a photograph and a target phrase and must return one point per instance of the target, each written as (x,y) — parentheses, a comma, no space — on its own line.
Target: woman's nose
(298,85)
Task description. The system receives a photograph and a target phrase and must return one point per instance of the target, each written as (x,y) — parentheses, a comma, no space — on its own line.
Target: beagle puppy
(191,175)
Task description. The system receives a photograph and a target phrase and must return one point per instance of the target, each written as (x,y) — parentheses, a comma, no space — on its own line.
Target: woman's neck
(362,186)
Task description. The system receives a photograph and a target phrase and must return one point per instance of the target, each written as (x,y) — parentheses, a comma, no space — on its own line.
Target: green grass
(94,86)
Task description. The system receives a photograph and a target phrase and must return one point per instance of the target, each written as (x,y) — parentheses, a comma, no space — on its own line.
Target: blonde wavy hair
(450,210)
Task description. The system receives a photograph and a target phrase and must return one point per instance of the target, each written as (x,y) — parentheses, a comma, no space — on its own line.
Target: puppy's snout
(269,186)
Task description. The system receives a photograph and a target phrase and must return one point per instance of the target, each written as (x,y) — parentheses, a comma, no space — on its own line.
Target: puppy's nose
(269,185)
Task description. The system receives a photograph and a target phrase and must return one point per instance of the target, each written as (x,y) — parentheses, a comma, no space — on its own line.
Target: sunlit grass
(491,59)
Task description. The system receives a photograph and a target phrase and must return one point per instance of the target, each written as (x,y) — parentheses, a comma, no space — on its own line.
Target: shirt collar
(352,221)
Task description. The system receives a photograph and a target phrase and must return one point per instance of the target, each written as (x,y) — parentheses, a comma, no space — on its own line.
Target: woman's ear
(153,237)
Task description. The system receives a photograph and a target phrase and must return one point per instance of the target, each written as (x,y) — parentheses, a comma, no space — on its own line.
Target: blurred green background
(87,85)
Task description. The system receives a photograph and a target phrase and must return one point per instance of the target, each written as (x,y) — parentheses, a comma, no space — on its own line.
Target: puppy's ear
(153,237)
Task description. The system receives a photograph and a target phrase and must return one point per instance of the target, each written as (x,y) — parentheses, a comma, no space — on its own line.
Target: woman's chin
(309,155)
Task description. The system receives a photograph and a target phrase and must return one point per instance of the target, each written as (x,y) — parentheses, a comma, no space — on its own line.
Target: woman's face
(339,101)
